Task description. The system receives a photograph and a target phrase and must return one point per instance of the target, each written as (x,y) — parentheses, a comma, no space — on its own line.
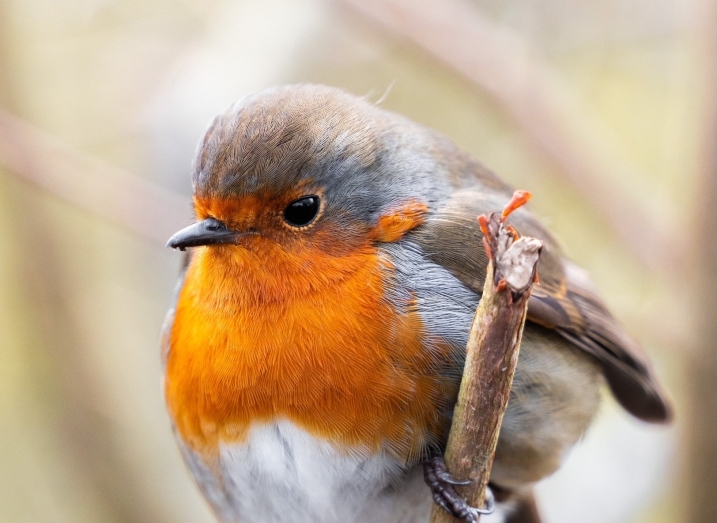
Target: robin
(316,344)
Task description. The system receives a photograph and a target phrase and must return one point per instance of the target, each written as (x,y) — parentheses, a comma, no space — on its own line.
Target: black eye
(302,212)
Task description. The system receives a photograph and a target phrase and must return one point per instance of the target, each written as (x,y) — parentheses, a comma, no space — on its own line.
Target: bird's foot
(441,483)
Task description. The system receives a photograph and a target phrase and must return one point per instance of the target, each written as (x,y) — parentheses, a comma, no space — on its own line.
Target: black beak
(206,232)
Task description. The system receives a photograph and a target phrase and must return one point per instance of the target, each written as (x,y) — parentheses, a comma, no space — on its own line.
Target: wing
(564,300)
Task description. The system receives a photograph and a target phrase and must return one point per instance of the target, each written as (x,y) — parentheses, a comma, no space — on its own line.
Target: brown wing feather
(565,300)
(625,364)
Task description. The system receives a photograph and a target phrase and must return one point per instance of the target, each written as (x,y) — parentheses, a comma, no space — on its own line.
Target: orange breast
(261,334)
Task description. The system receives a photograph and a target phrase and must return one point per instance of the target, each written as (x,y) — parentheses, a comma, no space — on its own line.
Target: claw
(439,467)
(441,482)
(489,502)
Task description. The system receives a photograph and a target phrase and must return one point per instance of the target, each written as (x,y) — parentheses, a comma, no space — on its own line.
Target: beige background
(97,93)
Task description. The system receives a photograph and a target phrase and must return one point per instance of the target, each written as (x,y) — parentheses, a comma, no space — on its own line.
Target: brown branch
(491,356)
(123,198)
(700,405)
(499,61)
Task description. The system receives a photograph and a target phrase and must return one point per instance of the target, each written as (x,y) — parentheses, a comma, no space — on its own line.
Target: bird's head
(308,167)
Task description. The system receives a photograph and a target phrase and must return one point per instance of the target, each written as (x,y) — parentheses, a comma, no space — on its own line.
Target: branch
(121,197)
(499,61)
(700,403)
(491,354)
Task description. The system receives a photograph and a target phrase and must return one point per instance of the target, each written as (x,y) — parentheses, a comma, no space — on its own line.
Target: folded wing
(564,300)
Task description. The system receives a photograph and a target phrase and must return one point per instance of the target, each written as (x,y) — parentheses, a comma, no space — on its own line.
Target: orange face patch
(261,334)
(393,225)
(237,213)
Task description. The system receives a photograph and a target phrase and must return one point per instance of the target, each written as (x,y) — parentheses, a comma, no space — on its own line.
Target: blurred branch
(498,60)
(80,432)
(86,434)
(702,364)
(7,94)
(116,195)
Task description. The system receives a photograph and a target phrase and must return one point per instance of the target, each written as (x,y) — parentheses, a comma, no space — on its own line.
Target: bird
(315,345)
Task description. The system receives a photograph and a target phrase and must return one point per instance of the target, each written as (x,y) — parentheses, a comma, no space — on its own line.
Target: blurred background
(604,109)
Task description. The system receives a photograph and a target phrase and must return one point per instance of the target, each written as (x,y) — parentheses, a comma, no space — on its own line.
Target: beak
(206,232)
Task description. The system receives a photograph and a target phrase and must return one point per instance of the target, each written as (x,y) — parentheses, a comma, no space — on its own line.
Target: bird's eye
(302,212)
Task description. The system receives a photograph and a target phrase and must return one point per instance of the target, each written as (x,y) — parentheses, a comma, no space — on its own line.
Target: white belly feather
(282,474)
